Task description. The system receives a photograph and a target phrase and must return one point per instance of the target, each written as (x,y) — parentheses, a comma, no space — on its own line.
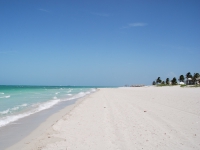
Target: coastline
(46,118)
(123,118)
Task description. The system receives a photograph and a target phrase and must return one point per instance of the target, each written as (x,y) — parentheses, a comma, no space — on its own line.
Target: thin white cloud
(136,24)
(44,10)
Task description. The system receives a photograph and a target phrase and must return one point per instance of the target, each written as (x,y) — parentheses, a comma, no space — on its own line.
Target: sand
(124,118)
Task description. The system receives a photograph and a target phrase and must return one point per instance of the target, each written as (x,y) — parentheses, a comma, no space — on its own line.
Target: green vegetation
(167,81)
(191,80)
(184,85)
(188,75)
(196,75)
(163,85)
(174,82)
(197,85)
(158,80)
(181,78)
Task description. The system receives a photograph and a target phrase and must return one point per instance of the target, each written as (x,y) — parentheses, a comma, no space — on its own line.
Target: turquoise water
(17,102)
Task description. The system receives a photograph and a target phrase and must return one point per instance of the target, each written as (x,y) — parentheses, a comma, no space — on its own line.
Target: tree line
(181,79)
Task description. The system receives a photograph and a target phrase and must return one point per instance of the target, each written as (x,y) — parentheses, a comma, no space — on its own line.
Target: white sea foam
(10,110)
(23,105)
(79,95)
(15,108)
(8,119)
(47,105)
(4,112)
(69,94)
(19,106)
(37,107)
(57,93)
(55,97)
(93,90)
(8,96)
(82,94)
(2,93)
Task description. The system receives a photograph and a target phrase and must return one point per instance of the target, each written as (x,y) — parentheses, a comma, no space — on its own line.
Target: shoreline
(123,118)
(46,118)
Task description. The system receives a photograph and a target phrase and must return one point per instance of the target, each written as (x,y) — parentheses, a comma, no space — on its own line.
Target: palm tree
(188,75)
(154,83)
(174,82)
(167,81)
(181,78)
(158,80)
(196,75)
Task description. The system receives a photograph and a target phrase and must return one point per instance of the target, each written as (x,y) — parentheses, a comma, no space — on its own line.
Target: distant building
(189,81)
(181,83)
(198,80)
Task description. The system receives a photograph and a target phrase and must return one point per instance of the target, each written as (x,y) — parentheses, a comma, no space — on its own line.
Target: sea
(17,102)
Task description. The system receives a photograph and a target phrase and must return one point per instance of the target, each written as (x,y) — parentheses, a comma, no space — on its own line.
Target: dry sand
(127,119)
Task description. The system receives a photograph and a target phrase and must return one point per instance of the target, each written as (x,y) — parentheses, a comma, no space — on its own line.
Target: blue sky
(97,42)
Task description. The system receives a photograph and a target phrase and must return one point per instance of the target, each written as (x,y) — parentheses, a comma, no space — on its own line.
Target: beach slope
(127,119)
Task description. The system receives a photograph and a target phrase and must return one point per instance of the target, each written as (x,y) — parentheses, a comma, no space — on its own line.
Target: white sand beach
(161,118)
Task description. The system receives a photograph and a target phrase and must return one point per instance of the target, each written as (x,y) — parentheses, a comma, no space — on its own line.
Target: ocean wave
(41,106)
(36,107)
(70,90)
(57,93)
(4,112)
(47,105)
(79,95)
(93,90)
(11,110)
(8,96)
(23,105)
(2,93)
(19,107)
(15,108)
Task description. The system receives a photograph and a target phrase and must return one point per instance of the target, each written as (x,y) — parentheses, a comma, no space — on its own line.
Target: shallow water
(17,130)
(17,102)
